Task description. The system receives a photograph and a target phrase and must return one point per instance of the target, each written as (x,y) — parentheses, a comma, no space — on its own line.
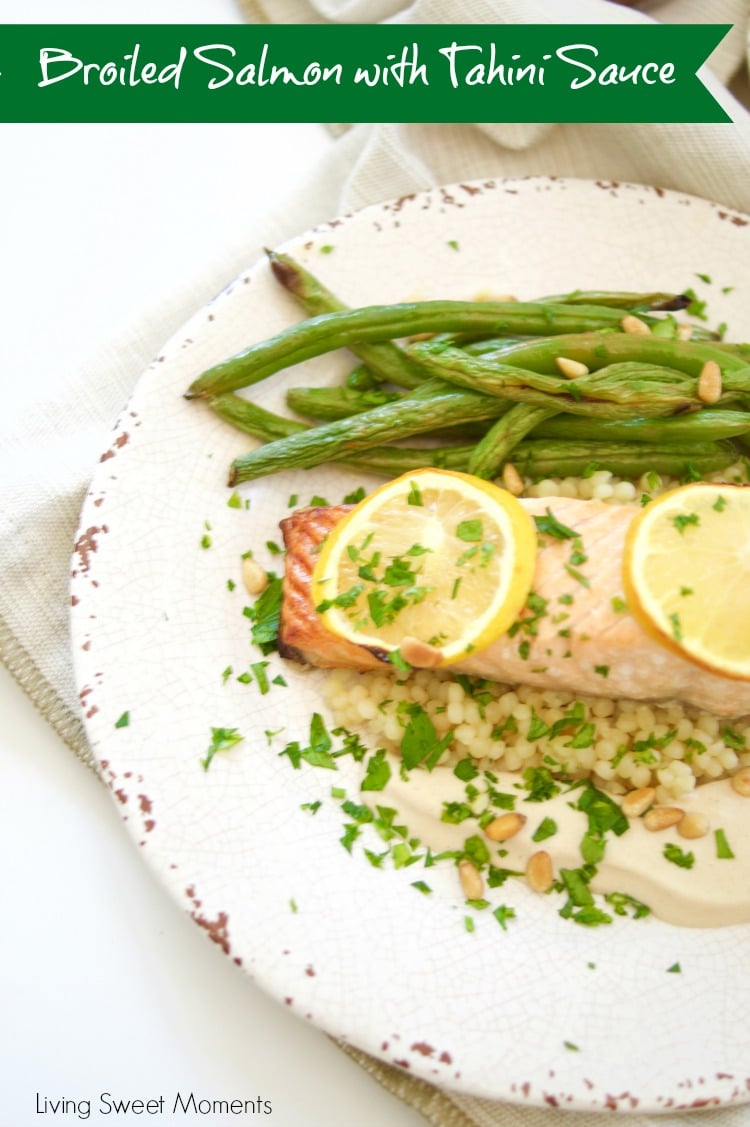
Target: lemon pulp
(436,556)
(687,573)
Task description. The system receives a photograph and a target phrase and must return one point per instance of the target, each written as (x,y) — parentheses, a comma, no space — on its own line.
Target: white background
(104,984)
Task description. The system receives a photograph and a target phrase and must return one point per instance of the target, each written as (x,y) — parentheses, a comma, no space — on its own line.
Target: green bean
(362,379)
(706,425)
(533,458)
(598,349)
(543,458)
(252,419)
(428,408)
(614,392)
(330,331)
(336,402)
(388,460)
(384,361)
(492,451)
(327,404)
(622,299)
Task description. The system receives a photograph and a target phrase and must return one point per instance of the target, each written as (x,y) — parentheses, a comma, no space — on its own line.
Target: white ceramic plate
(352,948)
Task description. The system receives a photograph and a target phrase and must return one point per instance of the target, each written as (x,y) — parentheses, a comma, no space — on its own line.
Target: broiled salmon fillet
(582,639)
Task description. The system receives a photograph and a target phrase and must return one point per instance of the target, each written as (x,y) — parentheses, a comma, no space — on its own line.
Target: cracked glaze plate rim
(351,948)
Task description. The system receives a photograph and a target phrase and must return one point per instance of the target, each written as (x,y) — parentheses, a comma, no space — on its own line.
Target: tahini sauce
(715,892)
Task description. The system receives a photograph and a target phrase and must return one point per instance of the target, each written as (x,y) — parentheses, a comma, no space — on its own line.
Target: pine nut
(693,825)
(507,825)
(741,782)
(472,882)
(684,332)
(709,382)
(420,654)
(572,369)
(631,324)
(662,817)
(637,802)
(512,479)
(539,874)
(253,576)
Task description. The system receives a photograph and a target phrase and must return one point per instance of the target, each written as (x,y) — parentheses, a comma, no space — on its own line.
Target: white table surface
(105,986)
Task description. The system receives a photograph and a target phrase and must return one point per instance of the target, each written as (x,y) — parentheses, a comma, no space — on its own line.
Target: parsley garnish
(265,614)
(502,914)
(377,772)
(419,743)
(678,856)
(551,526)
(683,521)
(621,901)
(222,739)
(414,496)
(470,531)
(733,739)
(259,669)
(547,828)
(723,850)
(123,721)
(540,784)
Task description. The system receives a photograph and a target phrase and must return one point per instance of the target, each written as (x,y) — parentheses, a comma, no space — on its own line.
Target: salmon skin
(588,643)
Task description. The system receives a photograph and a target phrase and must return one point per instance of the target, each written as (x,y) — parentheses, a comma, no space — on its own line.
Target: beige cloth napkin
(39,510)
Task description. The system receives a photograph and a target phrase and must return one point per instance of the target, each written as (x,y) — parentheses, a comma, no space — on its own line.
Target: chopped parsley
(419,743)
(265,614)
(551,526)
(547,828)
(684,520)
(677,856)
(123,720)
(540,784)
(723,850)
(222,739)
(414,496)
(470,531)
(259,671)
(733,739)
(377,772)
(502,914)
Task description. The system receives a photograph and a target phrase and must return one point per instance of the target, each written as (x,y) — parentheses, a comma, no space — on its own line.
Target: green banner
(360,72)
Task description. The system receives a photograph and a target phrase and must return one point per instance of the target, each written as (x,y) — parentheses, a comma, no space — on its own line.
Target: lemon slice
(687,574)
(436,564)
